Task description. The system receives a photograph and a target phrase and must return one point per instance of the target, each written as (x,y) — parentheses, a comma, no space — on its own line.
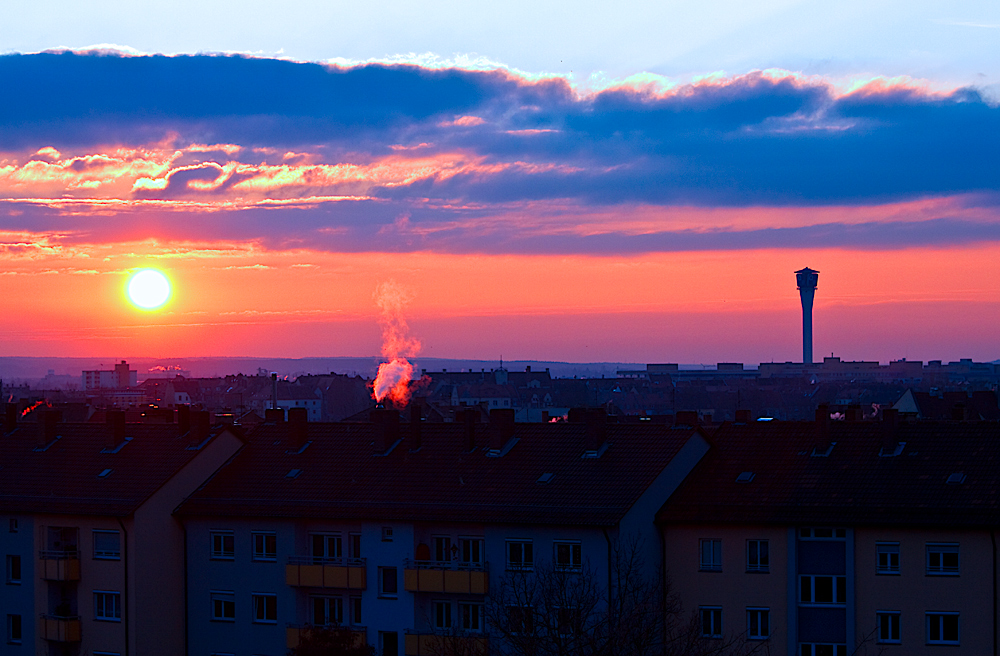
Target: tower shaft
(807,280)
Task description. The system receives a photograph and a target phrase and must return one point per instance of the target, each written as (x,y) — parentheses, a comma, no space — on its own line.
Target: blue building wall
(18,599)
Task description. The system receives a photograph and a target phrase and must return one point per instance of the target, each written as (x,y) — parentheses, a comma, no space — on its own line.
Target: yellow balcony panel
(311,576)
(334,576)
(410,581)
(60,629)
(296,633)
(61,569)
(428,644)
(430,580)
(292,576)
(479,582)
(456,581)
(357,579)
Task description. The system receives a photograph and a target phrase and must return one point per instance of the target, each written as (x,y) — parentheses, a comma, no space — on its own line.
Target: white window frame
(226,599)
(526,561)
(763,564)
(940,549)
(524,611)
(759,612)
(356,610)
(382,593)
(261,603)
(102,611)
(217,545)
(819,533)
(14,577)
(105,554)
(838,649)
(466,614)
(354,549)
(714,624)
(884,619)
(11,622)
(333,609)
(259,544)
(709,554)
(575,563)
(386,534)
(937,617)
(333,547)
(441,614)
(887,549)
(838,586)
(471,545)
(442,547)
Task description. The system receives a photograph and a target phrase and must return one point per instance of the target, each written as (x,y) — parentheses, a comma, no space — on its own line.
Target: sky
(554,181)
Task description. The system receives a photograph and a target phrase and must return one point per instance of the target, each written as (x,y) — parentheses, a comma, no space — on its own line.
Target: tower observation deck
(807,279)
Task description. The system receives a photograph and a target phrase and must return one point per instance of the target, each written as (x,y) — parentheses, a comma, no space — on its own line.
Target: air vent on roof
(816,453)
(545,478)
(104,474)
(293,473)
(883,453)
(118,447)
(745,477)
(957,478)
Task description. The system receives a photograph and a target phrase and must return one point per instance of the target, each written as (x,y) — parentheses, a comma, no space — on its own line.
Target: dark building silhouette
(807,279)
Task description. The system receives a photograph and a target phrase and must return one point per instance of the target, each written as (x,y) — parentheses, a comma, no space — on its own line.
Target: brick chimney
(501,428)
(686,418)
(275,415)
(545,416)
(597,430)
(416,426)
(200,425)
(854,412)
(115,428)
(10,417)
(823,424)
(890,430)
(386,428)
(743,417)
(49,426)
(183,419)
(471,418)
(298,429)
(959,412)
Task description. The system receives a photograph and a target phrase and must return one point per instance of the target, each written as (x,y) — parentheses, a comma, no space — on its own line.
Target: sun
(148,289)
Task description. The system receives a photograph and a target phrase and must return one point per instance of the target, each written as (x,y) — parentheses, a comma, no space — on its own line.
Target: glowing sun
(148,289)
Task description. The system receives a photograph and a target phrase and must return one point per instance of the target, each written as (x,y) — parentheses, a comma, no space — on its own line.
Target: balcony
(432,644)
(60,565)
(341,573)
(446,576)
(294,633)
(60,628)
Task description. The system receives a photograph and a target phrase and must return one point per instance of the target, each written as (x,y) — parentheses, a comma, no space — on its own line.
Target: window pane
(949,627)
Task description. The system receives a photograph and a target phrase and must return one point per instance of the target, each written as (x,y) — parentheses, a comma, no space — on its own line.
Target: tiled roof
(853,485)
(340,477)
(64,478)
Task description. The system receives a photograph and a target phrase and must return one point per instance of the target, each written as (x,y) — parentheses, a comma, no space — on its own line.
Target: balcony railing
(294,633)
(60,628)
(60,565)
(342,573)
(446,576)
(426,643)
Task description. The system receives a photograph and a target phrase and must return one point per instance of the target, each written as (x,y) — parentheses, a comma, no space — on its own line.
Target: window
(442,548)
(13,529)
(823,589)
(222,545)
(13,570)
(354,546)
(567,620)
(471,616)
(388,642)
(471,550)
(265,547)
(327,610)
(942,629)
(355,610)
(107,606)
(942,559)
(520,554)
(520,620)
(888,627)
(711,555)
(887,558)
(711,621)
(223,606)
(758,623)
(812,649)
(107,545)
(14,629)
(569,556)
(387,583)
(265,608)
(758,556)
(822,533)
(326,547)
(442,614)
(387,536)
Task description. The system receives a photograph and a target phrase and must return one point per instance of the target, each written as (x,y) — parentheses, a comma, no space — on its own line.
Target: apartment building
(401,530)
(825,537)
(94,558)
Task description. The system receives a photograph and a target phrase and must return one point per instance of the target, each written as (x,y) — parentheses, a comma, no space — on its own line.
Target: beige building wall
(734,589)
(913,592)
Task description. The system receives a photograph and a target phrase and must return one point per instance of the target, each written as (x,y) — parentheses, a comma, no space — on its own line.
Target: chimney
(471,419)
(890,429)
(416,427)
(200,425)
(501,428)
(298,431)
(686,418)
(597,430)
(49,428)
(527,369)
(545,416)
(576,415)
(10,416)
(854,412)
(115,433)
(386,428)
(274,389)
(183,419)
(743,417)
(276,415)
(823,424)
(958,412)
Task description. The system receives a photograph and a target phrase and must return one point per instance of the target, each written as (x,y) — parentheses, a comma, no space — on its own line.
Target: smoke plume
(395,374)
